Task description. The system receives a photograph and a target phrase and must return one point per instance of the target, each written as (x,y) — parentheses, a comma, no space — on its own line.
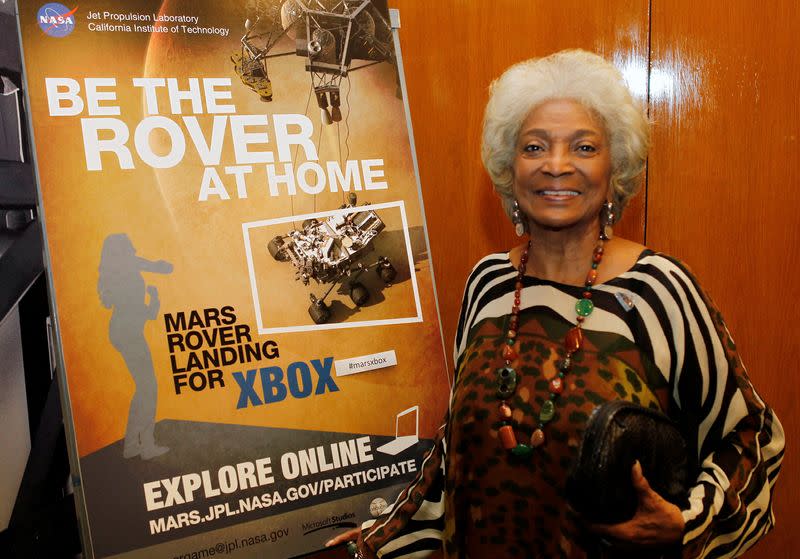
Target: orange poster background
(160,212)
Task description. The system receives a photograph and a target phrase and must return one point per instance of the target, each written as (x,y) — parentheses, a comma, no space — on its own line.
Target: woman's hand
(656,522)
(350,535)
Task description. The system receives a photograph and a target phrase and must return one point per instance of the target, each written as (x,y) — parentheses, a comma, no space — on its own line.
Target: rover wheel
(386,271)
(277,250)
(358,294)
(319,312)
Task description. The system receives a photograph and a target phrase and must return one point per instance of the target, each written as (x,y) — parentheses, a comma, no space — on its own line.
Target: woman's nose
(558,162)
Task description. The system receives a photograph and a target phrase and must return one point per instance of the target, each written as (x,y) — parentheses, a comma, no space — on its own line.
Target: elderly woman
(572,318)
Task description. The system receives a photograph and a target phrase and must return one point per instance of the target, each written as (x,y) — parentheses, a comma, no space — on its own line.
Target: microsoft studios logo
(56,20)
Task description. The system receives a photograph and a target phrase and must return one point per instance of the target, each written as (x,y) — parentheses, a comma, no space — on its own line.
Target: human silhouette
(122,288)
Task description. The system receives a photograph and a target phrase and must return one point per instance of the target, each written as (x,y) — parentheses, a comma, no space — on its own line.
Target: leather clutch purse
(618,433)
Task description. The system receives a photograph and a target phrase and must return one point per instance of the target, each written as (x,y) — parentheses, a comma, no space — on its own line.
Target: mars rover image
(334,251)
(328,34)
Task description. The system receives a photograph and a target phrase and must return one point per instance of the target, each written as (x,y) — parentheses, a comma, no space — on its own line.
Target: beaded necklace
(506,377)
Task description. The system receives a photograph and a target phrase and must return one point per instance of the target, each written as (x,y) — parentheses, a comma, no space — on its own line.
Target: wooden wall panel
(723,173)
(723,190)
(452,50)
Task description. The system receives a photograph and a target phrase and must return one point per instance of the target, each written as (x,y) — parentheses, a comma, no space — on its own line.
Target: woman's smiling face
(562,166)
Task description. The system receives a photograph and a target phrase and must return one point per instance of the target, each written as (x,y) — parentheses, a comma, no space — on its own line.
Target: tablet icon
(401,443)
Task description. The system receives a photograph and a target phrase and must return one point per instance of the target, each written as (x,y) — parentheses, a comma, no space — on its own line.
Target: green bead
(506,374)
(510,341)
(506,382)
(522,450)
(594,265)
(548,411)
(584,307)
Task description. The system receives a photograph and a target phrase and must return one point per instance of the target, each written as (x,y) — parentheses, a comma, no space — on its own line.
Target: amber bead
(505,411)
(511,334)
(573,340)
(591,277)
(537,439)
(509,354)
(507,437)
(518,285)
(557,385)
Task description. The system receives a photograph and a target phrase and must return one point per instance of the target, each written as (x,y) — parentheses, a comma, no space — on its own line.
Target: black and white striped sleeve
(736,436)
(411,527)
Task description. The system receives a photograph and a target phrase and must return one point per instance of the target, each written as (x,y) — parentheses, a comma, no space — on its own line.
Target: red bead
(573,340)
(513,323)
(597,257)
(515,309)
(598,250)
(580,318)
(509,354)
(557,385)
(507,437)
(516,300)
(587,294)
(505,411)
(518,286)
(591,277)
(537,439)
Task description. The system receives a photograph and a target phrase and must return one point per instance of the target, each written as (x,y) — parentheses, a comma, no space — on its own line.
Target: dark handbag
(618,433)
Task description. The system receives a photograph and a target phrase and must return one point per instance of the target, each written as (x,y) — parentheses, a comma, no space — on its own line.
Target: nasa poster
(246,316)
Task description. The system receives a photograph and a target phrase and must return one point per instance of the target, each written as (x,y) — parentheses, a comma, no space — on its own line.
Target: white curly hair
(568,74)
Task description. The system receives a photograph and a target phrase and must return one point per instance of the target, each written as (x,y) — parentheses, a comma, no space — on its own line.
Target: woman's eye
(532,148)
(587,148)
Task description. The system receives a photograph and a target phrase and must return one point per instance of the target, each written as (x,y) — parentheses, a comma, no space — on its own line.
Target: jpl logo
(56,19)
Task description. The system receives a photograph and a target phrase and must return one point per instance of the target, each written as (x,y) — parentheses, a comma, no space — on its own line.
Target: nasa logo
(56,20)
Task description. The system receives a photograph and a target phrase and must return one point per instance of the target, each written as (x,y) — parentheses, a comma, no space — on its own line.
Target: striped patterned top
(659,307)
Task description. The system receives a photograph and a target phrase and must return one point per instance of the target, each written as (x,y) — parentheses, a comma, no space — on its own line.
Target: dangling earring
(608,217)
(516,219)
